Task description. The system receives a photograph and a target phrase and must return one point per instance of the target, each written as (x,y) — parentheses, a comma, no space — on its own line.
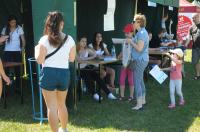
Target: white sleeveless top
(126,54)
(82,55)
(99,51)
(61,58)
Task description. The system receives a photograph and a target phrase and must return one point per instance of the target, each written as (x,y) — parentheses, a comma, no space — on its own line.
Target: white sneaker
(111,96)
(62,130)
(96,97)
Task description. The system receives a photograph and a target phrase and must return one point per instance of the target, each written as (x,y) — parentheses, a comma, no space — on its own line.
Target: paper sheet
(159,75)
(109,24)
(109,19)
(118,40)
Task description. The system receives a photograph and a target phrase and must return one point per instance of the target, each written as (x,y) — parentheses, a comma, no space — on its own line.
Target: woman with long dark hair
(90,75)
(16,41)
(55,75)
(13,45)
(101,49)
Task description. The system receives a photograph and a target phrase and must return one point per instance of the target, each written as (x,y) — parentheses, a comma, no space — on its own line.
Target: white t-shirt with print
(99,51)
(61,58)
(14,43)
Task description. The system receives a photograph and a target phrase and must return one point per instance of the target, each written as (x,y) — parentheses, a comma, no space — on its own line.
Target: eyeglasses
(137,21)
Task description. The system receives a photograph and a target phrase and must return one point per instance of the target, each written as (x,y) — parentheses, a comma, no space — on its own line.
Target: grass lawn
(116,116)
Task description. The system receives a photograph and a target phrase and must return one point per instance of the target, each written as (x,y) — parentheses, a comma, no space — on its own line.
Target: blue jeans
(139,67)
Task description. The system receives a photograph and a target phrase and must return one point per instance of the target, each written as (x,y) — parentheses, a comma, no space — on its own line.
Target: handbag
(56,50)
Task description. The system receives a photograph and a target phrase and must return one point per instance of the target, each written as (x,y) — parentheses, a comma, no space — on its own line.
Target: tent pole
(163,14)
(136,5)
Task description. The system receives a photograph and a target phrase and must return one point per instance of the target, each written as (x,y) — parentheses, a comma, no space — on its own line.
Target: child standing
(175,77)
(126,58)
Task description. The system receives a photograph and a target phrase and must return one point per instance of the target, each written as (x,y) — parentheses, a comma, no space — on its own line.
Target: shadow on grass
(118,115)
(156,116)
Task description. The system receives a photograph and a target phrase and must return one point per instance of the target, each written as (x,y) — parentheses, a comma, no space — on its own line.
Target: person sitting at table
(101,49)
(157,40)
(14,44)
(88,72)
(155,43)
(2,72)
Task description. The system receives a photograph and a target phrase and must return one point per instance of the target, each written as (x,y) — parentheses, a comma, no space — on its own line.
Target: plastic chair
(39,114)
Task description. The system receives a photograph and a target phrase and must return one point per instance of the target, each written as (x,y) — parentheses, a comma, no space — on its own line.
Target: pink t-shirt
(176,71)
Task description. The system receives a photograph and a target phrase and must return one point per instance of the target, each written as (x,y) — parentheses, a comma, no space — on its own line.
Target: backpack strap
(56,50)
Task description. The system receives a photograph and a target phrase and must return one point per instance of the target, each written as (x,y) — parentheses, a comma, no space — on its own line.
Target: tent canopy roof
(173,3)
(188,7)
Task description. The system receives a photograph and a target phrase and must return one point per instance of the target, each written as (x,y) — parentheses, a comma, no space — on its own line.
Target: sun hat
(177,51)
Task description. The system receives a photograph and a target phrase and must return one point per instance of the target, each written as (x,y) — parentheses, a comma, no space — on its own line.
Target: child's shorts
(54,79)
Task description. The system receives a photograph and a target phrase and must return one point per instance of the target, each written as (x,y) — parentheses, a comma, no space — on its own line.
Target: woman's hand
(129,41)
(119,56)
(3,38)
(6,79)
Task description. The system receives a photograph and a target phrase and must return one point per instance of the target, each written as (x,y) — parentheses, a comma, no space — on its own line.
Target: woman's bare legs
(111,72)
(1,87)
(62,109)
(52,107)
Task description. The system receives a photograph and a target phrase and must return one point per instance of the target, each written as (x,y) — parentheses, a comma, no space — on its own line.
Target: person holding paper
(126,70)
(176,57)
(101,49)
(2,72)
(140,58)
(88,72)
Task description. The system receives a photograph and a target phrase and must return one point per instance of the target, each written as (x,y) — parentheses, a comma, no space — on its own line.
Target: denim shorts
(54,79)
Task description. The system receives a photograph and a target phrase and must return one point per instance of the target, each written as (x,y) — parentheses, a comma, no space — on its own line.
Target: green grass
(114,116)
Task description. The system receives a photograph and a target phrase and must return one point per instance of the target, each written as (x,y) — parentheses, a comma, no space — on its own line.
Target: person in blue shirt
(140,58)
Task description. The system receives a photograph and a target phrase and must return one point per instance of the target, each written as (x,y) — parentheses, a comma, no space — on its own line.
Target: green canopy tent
(82,17)
(155,14)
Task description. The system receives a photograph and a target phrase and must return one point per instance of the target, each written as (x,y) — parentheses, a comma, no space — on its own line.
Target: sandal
(130,99)
(121,98)
(196,78)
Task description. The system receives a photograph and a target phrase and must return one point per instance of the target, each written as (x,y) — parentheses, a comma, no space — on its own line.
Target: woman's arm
(72,54)
(139,46)
(166,69)
(23,41)
(92,55)
(106,51)
(40,53)
(165,44)
(120,56)
(3,74)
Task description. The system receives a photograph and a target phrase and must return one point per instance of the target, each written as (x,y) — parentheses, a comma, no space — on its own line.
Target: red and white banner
(184,23)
